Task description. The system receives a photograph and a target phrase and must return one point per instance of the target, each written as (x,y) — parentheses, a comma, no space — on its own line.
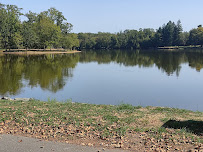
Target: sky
(118,15)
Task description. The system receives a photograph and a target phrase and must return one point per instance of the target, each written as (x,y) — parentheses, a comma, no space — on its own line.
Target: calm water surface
(146,78)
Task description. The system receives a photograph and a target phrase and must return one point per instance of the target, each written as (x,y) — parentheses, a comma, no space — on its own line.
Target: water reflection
(47,71)
(167,61)
(51,72)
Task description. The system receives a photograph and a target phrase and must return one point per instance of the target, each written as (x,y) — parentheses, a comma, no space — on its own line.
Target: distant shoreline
(37,51)
(179,47)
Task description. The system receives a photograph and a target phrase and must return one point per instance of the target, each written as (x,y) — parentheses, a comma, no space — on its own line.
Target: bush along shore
(122,126)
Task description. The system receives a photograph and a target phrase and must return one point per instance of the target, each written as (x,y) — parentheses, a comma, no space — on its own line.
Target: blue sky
(116,15)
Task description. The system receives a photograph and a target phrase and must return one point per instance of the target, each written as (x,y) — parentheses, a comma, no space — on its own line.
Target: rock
(6,98)
(192,150)
(22,99)
(199,148)
(116,145)
(114,142)
(1,130)
(90,144)
(7,121)
(1,123)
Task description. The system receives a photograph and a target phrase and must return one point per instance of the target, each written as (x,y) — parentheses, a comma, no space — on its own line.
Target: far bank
(38,51)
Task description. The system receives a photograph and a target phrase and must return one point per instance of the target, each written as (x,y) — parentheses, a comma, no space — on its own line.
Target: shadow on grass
(195,127)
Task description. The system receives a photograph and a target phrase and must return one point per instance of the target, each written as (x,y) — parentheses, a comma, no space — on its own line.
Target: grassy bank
(123,126)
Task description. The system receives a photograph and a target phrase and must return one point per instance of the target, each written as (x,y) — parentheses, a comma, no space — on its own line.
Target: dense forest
(50,29)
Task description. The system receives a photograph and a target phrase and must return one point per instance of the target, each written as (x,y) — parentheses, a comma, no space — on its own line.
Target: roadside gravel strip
(10,143)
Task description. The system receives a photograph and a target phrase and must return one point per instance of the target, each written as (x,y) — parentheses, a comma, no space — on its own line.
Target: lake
(145,78)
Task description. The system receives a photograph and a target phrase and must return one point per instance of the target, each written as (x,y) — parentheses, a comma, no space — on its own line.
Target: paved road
(9,143)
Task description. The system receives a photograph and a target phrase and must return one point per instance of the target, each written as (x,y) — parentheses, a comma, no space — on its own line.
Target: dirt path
(10,143)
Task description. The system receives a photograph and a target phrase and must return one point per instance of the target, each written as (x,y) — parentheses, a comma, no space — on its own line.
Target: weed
(110,118)
(127,108)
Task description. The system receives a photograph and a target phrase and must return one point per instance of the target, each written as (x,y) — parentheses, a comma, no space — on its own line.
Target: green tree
(132,39)
(10,26)
(70,41)
(168,33)
(30,38)
(58,18)
(158,39)
(32,17)
(114,42)
(196,36)
(184,36)
(177,34)
(122,40)
(103,40)
(82,39)
(49,33)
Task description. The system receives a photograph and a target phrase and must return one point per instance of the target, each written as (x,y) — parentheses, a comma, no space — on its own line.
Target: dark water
(146,78)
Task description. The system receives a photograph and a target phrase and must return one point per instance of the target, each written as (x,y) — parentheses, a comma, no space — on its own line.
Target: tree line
(170,34)
(50,29)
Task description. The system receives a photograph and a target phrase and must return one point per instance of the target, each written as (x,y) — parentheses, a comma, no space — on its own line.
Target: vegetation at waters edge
(50,29)
(122,126)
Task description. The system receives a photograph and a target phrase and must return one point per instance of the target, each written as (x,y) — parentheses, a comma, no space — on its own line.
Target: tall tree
(196,36)
(49,33)
(30,38)
(168,33)
(10,26)
(177,33)
(158,40)
(58,18)
(70,41)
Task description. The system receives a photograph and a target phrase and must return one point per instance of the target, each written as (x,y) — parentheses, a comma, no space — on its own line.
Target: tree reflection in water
(47,71)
